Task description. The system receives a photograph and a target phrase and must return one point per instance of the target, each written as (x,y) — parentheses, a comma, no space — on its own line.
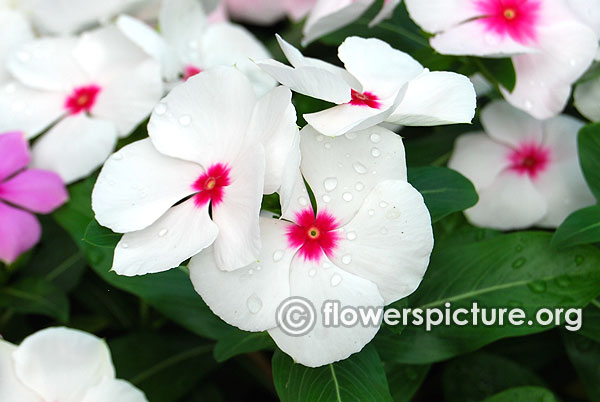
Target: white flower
(187,44)
(14,30)
(368,245)
(89,90)
(550,46)
(379,84)
(212,144)
(264,12)
(587,98)
(329,15)
(61,364)
(526,171)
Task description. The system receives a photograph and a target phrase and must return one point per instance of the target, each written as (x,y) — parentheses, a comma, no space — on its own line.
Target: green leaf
(584,353)
(100,236)
(507,271)
(405,380)
(524,394)
(36,295)
(164,366)
(240,342)
(588,142)
(445,191)
(581,227)
(591,321)
(501,71)
(359,378)
(481,375)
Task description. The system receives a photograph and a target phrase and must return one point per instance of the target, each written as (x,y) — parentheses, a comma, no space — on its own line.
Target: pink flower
(23,192)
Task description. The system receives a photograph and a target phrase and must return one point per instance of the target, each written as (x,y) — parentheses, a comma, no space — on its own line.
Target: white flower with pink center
(187,44)
(62,365)
(214,149)
(86,92)
(378,84)
(367,244)
(526,171)
(550,44)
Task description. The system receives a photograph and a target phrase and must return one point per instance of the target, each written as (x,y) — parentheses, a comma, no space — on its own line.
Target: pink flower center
(189,71)
(313,236)
(211,185)
(365,99)
(530,158)
(82,99)
(515,18)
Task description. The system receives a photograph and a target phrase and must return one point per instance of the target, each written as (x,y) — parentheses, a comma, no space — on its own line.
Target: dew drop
(302,201)
(371,212)
(325,265)
(258,268)
(185,120)
(124,245)
(537,286)
(163,233)
(326,198)
(528,105)
(563,281)
(250,271)
(578,260)
(383,204)
(393,214)
(160,109)
(359,168)
(519,248)
(336,280)
(312,272)
(330,183)
(351,235)
(375,138)
(347,259)
(327,145)
(573,62)
(319,138)
(519,262)
(277,255)
(347,197)
(375,152)
(117,157)
(351,135)
(254,304)
(359,186)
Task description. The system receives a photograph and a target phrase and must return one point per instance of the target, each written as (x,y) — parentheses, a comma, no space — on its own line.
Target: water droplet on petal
(163,232)
(312,272)
(302,201)
(117,157)
(185,120)
(327,145)
(351,135)
(393,214)
(528,105)
(326,198)
(383,204)
(375,152)
(258,268)
(160,109)
(573,62)
(347,197)
(359,168)
(359,186)
(250,271)
(336,279)
(351,235)
(277,255)
(347,259)
(254,304)
(124,245)
(330,183)
(375,138)
(371,212)
(319,138)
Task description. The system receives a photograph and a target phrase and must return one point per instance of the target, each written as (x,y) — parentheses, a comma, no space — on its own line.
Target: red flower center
(365,99)
(313,236)
(530,158)
(189,71)
(82,99)
(516,18)
(211,185)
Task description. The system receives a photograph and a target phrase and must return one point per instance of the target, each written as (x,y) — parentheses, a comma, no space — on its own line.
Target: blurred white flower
(378,84)
(587,98)
(86,91)
(526,171)
(265,12)
(14,31)
(61,364)
(367,244)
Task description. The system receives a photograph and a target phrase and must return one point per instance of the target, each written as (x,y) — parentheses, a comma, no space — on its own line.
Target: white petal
(588,12)
(182,232)
(587,99)
(14,30)
(560,134)
(319,283)
(232,45)
(342,171)
(380,68)
(510,202)
(75,147)
(248,297)
(386,12)
(437,15)
(274,125)
(328,16)
(238,243)
(310,81)
(128,99)
(28,110)
(479,158)
(47,63)
(138,184)
(61,364)
(544,79)
(509,125)
(435,98)
(182,24)
(260,12)
(111,389)
(565,191)
(389,241)
(152,43)
(11,389)
(206,118)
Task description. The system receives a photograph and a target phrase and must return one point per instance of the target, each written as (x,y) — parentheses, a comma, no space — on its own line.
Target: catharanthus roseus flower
(187,44)
(379,84)
(89,90)
(550,44)
(526,171)
(367,244)
(23,192)
(214,149)
(63,365)
(266,12)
